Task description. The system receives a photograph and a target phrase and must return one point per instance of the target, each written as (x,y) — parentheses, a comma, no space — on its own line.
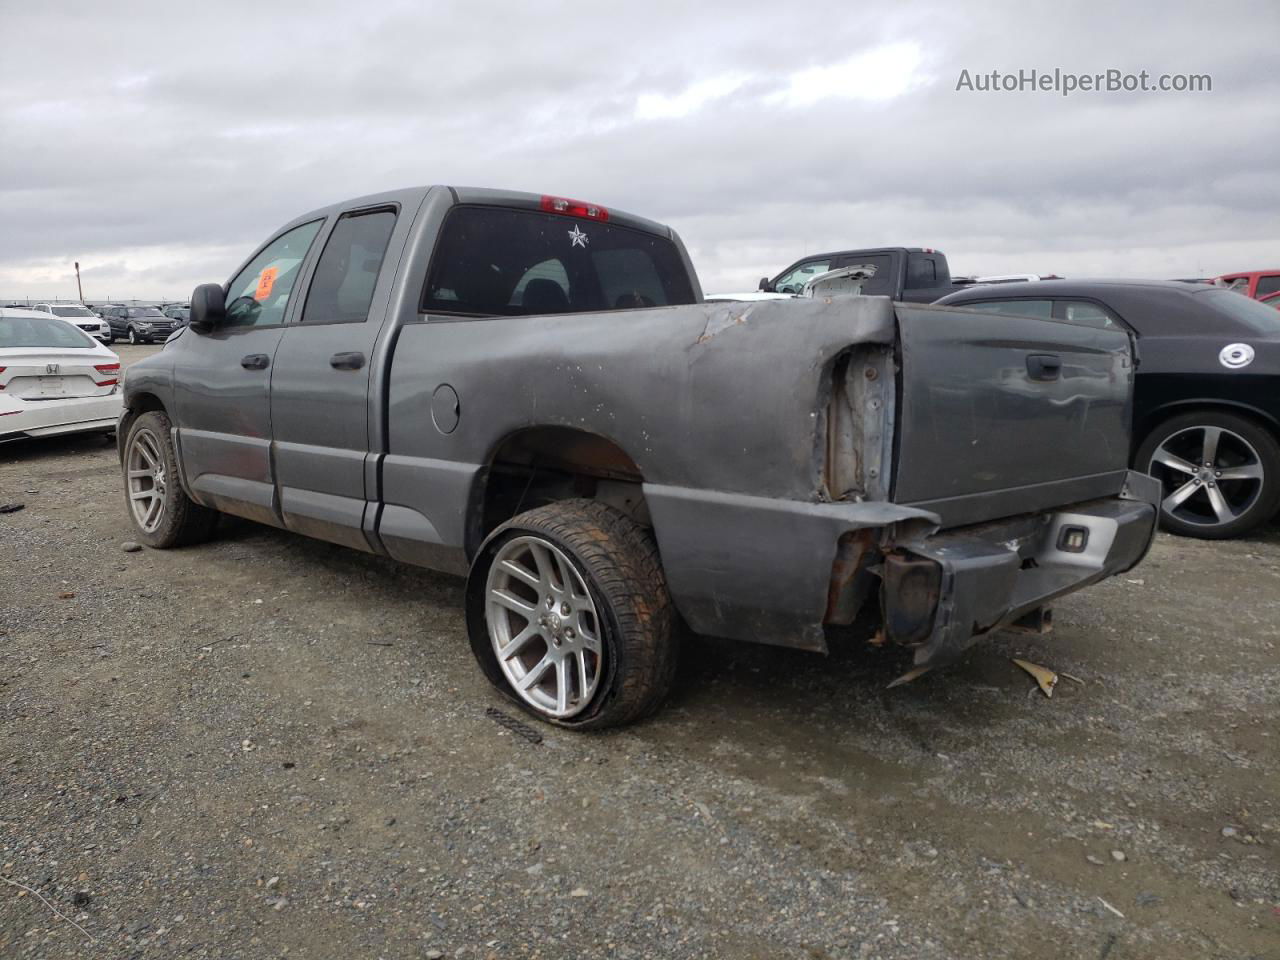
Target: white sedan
(82,317)
(54,378)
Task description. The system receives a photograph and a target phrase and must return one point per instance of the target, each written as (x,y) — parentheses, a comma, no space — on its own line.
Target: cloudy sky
(158,145)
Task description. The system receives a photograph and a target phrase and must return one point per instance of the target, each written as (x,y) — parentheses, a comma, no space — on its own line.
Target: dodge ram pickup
(530,391)
(912,274)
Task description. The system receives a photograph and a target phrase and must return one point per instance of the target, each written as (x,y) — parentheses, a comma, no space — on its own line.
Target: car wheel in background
(163,515)
(568,614)
(133,336)
(1220,473)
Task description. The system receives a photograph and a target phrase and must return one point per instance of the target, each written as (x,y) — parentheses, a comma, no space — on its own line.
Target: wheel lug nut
(564,609)
(569,634)
(550,602)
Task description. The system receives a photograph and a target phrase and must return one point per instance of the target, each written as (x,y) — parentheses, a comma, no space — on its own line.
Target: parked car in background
(501,384)
(139,324)
(1255,284)
(1271,300)
(54,378)
(845,281)
(81,316)
(178,312)
(907,274)
(1206,418)
(1015,278)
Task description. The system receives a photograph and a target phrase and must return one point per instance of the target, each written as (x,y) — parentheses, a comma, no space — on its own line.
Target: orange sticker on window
(266,280)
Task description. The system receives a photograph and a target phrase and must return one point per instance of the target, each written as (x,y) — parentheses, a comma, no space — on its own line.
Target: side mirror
(208,307)
(764,285)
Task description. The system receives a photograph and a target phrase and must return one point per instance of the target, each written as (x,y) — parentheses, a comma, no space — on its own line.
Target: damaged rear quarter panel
(721,406)
(724,397)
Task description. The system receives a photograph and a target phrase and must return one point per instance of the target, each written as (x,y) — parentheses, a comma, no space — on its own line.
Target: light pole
(79,288)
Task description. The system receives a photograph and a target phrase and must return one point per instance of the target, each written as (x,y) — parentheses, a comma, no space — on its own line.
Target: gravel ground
(268,746)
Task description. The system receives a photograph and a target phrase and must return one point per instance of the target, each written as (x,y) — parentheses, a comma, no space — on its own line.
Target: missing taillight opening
(575,208)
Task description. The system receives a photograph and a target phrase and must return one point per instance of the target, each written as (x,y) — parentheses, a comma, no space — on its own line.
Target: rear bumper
(781,571)
(43,418)
(942,592)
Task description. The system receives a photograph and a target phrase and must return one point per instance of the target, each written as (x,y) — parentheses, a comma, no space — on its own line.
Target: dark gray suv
(139,324)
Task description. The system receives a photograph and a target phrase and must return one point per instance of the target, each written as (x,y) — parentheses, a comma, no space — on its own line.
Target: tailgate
(1000,415)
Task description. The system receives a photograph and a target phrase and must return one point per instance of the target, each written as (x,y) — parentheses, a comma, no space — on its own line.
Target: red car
(1271,299)
(1255,283)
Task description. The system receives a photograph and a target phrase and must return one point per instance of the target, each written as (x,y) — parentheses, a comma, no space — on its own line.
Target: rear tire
(592,593)
(1236,493)
(163,515)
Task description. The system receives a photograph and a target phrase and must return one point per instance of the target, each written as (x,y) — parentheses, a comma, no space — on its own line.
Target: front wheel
(1220,473)
(163,515)
(133,337)
(568,614)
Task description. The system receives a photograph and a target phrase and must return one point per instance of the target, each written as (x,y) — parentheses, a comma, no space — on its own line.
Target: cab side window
(259,294)
(1267,284)
(793,281)
(342,287)
(922,272)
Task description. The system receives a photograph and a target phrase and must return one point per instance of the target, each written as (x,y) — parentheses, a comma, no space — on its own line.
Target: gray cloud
(158,146)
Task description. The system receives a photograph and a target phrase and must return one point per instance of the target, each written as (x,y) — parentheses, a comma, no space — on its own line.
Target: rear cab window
(499,261)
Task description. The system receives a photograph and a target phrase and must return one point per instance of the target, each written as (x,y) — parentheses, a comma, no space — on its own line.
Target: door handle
(255,361)
(347,361)
(1044,366)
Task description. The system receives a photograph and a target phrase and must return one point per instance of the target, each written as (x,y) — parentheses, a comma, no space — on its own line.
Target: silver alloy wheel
(133,335)
(544,627)
(1211,475)
(146,480)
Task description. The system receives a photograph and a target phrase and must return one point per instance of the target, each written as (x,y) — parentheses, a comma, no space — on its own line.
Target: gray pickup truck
(529,391)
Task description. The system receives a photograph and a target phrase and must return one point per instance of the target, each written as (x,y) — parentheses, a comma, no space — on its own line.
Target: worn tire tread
(623,565)
(186,522)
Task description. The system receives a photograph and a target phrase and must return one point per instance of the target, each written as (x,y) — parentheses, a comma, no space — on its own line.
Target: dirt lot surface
(268,746)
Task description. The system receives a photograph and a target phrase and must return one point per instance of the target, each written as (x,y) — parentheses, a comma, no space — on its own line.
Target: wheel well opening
(145,403)
(1158,418)
(138,405)
(541,465)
